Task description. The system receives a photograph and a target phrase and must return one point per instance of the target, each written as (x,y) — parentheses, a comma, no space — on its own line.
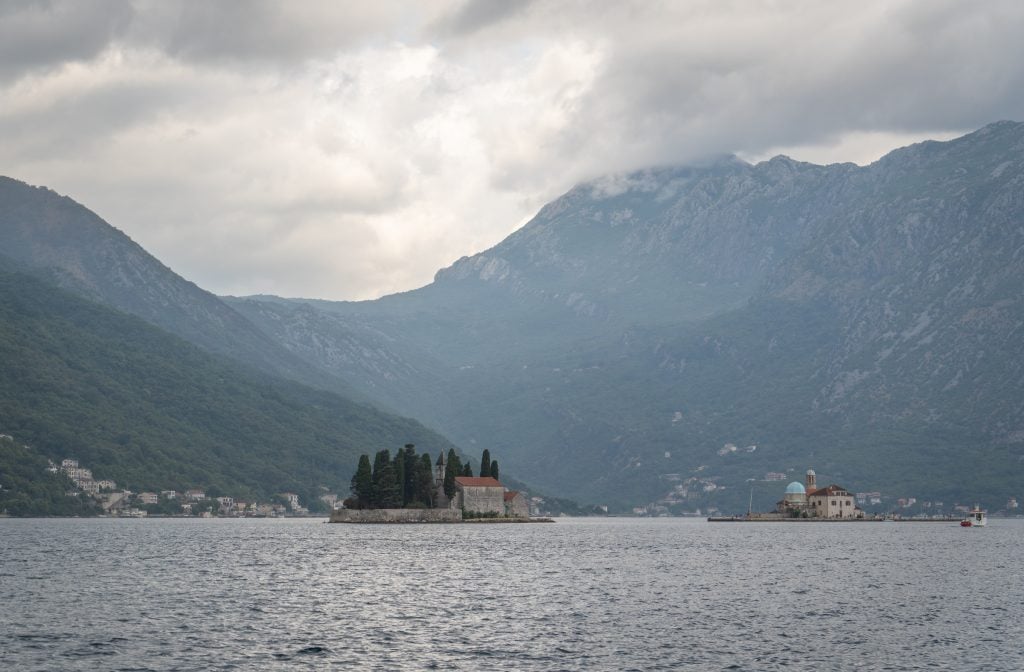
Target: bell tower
(812,480)
(439,471)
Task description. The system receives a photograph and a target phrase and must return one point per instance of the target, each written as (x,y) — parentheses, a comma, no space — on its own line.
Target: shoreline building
(478,495)
(516,505)
(809,501)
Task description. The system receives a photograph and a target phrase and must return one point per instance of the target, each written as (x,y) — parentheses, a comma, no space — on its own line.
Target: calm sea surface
(584,594)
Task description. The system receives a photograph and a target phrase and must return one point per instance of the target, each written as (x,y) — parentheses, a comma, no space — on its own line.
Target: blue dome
(795,488)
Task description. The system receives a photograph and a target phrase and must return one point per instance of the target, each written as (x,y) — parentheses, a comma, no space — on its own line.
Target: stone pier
(396,516)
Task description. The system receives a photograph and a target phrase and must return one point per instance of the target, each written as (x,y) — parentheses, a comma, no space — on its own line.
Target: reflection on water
(595,594)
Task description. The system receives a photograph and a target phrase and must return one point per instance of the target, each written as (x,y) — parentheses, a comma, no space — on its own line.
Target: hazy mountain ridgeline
(69,245)
(150,411)
(864,321)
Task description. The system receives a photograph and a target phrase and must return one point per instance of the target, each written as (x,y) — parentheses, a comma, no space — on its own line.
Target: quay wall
(396,516)
(744,519)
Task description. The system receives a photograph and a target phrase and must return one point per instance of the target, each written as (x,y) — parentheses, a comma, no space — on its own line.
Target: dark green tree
(485,463)
(385,488)
(425,482)
(494,470)
(362,483)
(452,469)
(412,465)
(399,468)
(467,470)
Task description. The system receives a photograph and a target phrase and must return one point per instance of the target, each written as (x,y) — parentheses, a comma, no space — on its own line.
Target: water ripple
(578,595)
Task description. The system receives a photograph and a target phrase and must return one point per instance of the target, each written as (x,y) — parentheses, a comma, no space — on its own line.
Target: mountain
(151,411)
(680,332)
(69,245)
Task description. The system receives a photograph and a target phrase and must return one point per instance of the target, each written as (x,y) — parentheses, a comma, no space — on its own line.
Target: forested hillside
(67,244)
(150,411)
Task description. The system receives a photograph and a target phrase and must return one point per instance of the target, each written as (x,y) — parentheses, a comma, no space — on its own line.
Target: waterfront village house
(810,501)
(147,498)
(195,495)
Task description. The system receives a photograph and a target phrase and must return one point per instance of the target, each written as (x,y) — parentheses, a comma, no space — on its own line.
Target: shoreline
(744,519)
(482,521)
(419,517)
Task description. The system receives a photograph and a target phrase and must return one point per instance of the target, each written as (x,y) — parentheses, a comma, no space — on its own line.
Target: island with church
(807,502)
(412,488)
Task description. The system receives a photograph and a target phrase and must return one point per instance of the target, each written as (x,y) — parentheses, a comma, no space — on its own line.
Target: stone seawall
(396,516)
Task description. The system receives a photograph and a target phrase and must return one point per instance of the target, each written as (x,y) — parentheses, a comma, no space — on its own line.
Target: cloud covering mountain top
(346,151)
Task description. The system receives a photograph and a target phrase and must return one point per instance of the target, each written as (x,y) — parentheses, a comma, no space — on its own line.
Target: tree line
(407,479)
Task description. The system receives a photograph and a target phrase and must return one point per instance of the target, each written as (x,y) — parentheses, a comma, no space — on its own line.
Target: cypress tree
(425,482)
(485,463)
(362,483)
(378,468)
(494,470)
(412,465)
(452,469)
(385,489)
(399,468)
(467,470)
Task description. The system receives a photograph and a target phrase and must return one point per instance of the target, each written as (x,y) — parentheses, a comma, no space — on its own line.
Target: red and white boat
(976,518)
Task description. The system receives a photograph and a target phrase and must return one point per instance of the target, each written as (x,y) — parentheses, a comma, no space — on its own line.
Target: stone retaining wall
(396,516)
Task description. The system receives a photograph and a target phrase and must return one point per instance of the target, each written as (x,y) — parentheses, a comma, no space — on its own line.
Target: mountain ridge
(69,245)
(664,285)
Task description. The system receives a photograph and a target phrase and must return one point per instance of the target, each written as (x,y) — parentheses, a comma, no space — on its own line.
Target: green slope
(27,488)
(61,241)
(148,410)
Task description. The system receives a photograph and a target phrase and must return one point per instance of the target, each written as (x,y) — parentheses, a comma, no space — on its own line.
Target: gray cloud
(473,16)
(348,150)
(240,31)
(698,82)
(39,34)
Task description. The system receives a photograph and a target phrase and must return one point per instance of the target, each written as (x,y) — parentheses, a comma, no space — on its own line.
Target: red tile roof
(510,495)
(829,491)
(477,482)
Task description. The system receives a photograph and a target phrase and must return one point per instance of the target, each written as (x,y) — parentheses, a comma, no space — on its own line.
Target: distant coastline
(755,519)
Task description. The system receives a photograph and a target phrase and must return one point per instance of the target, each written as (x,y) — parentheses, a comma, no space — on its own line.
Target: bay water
(579,594)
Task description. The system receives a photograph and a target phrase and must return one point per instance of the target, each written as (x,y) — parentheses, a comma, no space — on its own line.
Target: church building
(479,495)
(810,501)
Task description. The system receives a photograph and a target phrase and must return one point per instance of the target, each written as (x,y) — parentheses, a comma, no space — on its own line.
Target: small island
(806,502)
(411,488)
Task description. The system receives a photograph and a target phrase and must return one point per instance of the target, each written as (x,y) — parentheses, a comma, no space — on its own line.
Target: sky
(347,150)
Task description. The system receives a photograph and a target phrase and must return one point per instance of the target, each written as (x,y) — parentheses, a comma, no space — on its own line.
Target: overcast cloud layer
(349,150)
